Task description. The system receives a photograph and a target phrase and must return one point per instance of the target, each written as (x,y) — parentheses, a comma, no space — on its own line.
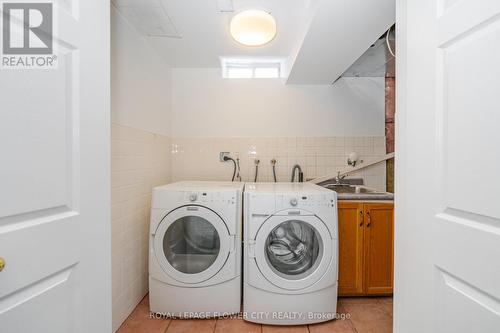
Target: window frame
(253,66)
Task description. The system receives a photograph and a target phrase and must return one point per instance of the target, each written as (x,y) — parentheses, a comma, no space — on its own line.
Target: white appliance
(195,249)
(290,253)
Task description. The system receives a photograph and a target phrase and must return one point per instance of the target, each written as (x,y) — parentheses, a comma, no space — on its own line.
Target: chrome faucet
(339,178)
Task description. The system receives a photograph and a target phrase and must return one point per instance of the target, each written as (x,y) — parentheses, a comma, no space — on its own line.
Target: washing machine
(290,253)
(195,249)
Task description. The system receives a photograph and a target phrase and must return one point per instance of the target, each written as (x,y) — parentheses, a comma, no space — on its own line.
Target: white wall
(206,105)
(140,78)
(140,157)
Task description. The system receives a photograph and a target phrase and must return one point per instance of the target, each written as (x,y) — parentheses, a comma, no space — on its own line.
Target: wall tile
(139,161)
(198,158)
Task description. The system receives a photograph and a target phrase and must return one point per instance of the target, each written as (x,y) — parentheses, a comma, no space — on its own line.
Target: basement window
(250,70)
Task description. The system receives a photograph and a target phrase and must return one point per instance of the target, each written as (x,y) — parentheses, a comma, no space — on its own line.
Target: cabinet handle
(369,220)
(361,217)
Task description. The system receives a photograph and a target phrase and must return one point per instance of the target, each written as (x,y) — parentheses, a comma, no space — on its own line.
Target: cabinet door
(350,248)
(378,238)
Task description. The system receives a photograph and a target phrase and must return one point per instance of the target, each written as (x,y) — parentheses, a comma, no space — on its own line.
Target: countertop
(379,196)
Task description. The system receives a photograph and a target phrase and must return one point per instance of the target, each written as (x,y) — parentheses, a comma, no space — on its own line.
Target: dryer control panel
(304,201)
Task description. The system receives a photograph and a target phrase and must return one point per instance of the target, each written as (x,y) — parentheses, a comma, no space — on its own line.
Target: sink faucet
(339,178)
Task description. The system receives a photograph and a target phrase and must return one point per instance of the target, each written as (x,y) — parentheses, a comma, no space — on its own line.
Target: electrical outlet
(223,154)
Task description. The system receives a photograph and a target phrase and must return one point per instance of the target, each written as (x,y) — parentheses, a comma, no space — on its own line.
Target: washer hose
(227,158)
(273,162)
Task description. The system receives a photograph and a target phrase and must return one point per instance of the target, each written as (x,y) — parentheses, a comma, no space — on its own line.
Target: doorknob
(2,264)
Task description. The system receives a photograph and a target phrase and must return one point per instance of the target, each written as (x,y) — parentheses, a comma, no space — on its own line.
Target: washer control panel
(203,197)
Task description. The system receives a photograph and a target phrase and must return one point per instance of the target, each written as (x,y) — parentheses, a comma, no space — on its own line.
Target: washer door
(293,252)
(192,244)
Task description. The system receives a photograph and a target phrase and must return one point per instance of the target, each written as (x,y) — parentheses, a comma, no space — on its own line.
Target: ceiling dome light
(253,27)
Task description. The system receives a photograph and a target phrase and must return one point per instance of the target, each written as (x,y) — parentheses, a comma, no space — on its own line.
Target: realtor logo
(27,35)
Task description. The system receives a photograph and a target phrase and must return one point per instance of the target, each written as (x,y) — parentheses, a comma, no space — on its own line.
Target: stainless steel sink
(345,188)
(355,192)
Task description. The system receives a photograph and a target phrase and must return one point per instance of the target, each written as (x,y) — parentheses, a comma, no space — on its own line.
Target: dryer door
(293,252)
(192,244)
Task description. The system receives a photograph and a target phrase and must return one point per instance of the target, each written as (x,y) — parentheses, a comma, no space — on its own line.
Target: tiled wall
(198,158)
(140,160)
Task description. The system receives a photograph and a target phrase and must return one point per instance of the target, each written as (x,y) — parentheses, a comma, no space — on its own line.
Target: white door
(192,244)
(447,226)
(293,252)
(54,182)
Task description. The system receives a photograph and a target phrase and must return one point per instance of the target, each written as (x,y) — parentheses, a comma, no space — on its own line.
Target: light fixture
(253,27)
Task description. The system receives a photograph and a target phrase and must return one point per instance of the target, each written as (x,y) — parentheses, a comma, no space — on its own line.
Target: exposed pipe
(387,42)
(273,163)
(256,170)
(238,171)
(301,174)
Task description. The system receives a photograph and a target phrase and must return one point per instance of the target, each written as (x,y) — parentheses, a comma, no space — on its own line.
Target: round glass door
(191,244)
(293,253)
(293,249)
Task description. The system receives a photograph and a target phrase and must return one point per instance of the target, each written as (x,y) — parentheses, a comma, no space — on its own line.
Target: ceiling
(340,31)
(195,33)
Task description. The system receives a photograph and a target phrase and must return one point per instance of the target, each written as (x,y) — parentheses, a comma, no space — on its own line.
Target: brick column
(390,108)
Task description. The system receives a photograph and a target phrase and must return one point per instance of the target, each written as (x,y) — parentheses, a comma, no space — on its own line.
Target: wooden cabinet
(378,248)
(350,248)
(365,248)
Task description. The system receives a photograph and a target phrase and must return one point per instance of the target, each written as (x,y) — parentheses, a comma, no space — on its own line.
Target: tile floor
(367,315)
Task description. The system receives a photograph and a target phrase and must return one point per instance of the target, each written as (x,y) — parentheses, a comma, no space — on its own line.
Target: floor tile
(369,317)
(139,321)
(385,299)
(387,306)
(284,329)
(334,326)
(191,326)
(236,325)
(365,315)
(358,300)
